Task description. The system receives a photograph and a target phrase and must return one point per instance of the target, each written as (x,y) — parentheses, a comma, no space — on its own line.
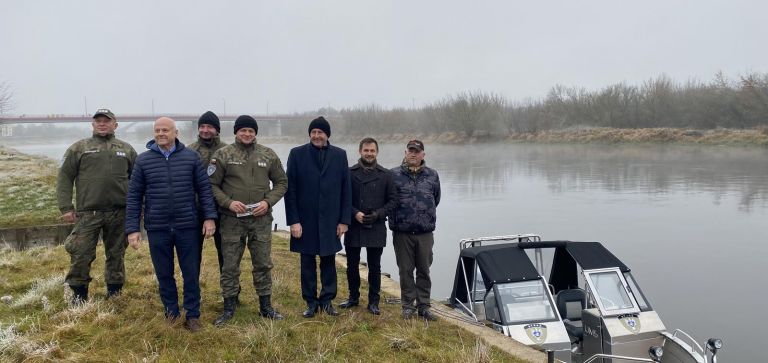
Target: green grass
(38,325)
(27,190)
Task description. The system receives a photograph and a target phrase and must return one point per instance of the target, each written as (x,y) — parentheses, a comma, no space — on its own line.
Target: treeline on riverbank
(657,103)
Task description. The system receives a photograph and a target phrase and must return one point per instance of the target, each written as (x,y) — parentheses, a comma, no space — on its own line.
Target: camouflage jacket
(418,195)
(242,173)
(206,148)
(99,168)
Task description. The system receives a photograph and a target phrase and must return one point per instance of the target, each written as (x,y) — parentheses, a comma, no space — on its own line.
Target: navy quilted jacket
(417,198)
(168,189)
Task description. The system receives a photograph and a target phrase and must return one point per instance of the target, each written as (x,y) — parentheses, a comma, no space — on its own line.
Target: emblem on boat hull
(630,322)
(536,332)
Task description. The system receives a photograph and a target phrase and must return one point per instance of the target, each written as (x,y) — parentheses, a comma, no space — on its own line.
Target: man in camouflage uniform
(99,167)
(413,222)
(208,129)
(240,175)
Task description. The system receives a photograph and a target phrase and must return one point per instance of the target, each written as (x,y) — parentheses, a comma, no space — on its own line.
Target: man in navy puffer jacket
(167,181)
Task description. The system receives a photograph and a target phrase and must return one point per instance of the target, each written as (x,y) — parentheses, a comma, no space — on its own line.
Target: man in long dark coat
(318,208)
(373,197)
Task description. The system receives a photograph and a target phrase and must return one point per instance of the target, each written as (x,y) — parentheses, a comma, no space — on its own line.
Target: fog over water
(689,221)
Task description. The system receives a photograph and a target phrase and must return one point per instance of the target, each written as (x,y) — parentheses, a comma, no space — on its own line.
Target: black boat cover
(508,262)
(498,264)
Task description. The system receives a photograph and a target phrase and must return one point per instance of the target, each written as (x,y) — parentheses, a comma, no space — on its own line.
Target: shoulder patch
(211,169)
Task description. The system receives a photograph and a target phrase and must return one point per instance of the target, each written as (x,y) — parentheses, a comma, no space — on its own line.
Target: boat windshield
(610,291)
(525,301)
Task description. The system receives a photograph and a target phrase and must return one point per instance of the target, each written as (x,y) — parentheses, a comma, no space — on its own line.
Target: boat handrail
(690,339)
(633,359)
(470,242)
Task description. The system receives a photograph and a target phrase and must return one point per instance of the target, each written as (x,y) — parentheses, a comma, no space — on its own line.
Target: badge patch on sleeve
(211,169)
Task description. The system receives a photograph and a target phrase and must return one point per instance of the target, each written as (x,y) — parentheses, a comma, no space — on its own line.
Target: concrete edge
(488,335)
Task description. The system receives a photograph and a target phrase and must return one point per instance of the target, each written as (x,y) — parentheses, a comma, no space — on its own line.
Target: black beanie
(320,123)
(210,118)
(246,121)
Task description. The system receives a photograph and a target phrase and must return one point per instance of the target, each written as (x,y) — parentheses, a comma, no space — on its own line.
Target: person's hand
(370,218)
(359,217)
(262,209)
(209,228)
(134,239)
(69,217)
(237,207)
(296,230)
(341,229)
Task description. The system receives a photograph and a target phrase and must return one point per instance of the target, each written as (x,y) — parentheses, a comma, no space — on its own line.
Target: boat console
(589,309)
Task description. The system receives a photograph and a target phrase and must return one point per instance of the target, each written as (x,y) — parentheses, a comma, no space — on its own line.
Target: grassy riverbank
(37,325)
(27,189)
(584,135)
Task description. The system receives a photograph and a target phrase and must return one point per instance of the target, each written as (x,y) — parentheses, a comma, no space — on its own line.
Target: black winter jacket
(373,190)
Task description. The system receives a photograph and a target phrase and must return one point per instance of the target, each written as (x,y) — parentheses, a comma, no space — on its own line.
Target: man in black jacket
(373,197)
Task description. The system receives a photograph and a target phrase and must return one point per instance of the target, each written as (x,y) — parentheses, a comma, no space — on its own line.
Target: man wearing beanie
(208,142)
(318,208)
(240,176)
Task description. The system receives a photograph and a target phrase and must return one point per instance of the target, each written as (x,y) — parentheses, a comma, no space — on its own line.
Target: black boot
(228,313)
(113,290)
(349,303)
(266,310)
(373,308)
(79,294)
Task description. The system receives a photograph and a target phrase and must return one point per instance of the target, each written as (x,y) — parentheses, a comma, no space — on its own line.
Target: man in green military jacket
(208,129)
(240,177)
(99,168)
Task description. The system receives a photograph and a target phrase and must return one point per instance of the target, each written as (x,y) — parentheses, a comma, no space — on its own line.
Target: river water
(689,221)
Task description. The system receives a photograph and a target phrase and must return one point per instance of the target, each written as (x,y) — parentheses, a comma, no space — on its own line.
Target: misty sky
(190,56)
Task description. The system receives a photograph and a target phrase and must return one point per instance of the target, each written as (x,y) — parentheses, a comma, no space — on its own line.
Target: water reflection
(689,221)
(481,172)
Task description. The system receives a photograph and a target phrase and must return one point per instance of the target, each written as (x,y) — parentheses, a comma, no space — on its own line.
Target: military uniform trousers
(81,246)
(256,234)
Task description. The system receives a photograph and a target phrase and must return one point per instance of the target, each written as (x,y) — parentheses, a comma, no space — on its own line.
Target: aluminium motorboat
(589,309)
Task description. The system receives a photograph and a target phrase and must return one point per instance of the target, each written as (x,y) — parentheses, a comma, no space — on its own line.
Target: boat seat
(570,304)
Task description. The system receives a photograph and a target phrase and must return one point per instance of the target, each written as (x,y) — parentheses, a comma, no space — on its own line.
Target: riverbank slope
(37,324)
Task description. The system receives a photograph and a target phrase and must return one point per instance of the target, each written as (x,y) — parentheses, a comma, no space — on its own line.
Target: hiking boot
(193,325)
(113,290)
(266,310)
(228,313)
(349,303)
(408,313)
(427,315)
(329,309)
(79,294)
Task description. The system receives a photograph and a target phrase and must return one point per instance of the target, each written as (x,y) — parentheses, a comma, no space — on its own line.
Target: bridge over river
(273,125)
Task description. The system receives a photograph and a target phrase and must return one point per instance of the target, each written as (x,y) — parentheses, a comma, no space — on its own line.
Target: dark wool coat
(418,196)
(166,190)
(372,191)
(318,198)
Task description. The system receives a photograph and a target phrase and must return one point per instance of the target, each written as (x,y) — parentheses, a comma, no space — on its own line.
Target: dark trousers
(374,272)
(309,279)
(414,252)
(187,245)
(216,242)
